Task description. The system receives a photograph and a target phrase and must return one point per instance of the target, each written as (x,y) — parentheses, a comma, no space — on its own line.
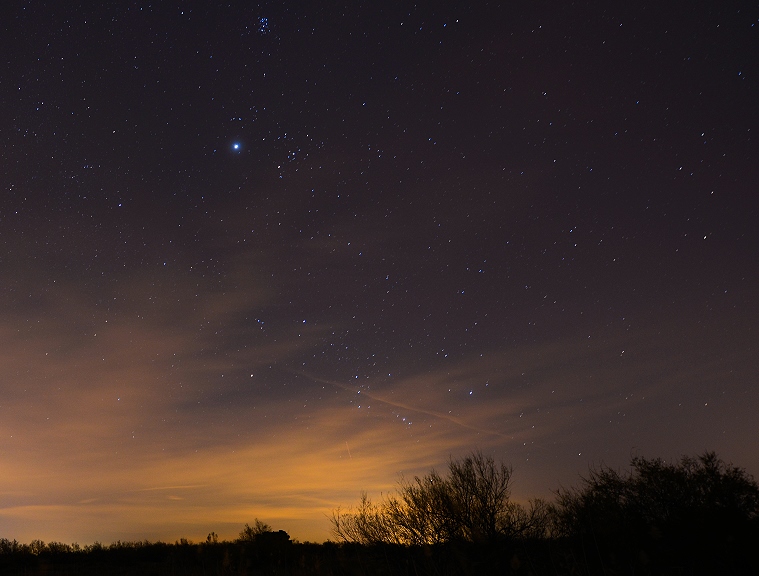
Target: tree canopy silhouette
(697,510)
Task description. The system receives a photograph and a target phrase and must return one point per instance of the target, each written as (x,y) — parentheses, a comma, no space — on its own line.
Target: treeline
(695,516)
(692,517)
(258,550)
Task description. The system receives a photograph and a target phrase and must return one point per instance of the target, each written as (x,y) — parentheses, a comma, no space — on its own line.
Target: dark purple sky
(257,258)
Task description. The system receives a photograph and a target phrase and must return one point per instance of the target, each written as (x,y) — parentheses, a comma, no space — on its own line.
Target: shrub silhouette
(252,533)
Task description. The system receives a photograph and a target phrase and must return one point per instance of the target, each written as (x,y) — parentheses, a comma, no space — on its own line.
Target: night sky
(257,258)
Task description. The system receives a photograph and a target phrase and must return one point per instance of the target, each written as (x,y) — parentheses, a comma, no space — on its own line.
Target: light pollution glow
(109,432)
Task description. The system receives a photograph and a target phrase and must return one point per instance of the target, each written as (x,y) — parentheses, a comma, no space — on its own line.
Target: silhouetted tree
(471,504)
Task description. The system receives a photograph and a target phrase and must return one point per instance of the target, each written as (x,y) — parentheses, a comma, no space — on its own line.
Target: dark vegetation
(696,516)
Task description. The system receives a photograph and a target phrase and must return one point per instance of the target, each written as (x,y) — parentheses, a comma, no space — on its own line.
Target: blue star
(236,147)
